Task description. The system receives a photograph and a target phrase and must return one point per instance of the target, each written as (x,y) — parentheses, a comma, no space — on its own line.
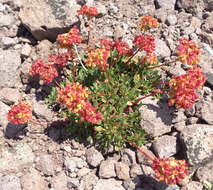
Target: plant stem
(79,58)
(139,149)
(34,122)
(57,83)
(162,64)
(133,56)
(156,83)
(144,98)
(107,74)
(73,71)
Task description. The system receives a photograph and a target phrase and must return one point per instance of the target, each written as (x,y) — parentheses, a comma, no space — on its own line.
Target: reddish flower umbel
(122,48)
(60,60)
(20,113)
(169,170)
(47,72)
(182,88)
(150,59)
(106,44)
(146,43)
(147,22)
(73,96)
(68,39)
(188,52)
(98,57)
(88,113)
(90,12)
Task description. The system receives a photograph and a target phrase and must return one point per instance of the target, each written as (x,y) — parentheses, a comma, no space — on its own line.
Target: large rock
(197,143)
(10,61)
(108,184)
(107,169)
(9,182)
(49,18)
(16,158)
(205,111)
(165,4)
(156,117)
(192,6)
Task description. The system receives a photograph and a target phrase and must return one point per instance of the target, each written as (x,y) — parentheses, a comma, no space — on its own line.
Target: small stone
(207,112)
(73,183)
(204,174)
(89,181)
(101,9)
(162,50)
(178,117)
(143,159)
(165,146)
(10,182)
(46,165)
(7,20)
(93,157)
(128,156)
(193,185)
(132,183)
(170,5)
(59,181)
(107,169)
(7,42)
(108,184)
(180,126)
(70,165)
(26,50)
(135,171)
(171,20)
(43,48)
(33,180)
(122,170)
(83,171)
(118,33)
(10,95)
(67,148)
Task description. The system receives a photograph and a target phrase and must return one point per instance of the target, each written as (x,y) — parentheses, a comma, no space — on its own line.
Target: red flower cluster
(88,113)
(188,52)
(88,11)
(60,60)
(169,170)
(75,98)
(122,48)
(47,72)
(183,87)
(20,113)
(106,44)
(147,22)
(98,57)
(150,58)
(68,39)
(146,43)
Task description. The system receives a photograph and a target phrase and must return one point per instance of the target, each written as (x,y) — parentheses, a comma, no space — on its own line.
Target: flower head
(88,11)
(89,113)
(47,72)
(98,57)
(106,44)
(122,48)
(147,22)
(182,88)
(20,113)
(60,60)
(66,40)
(73,96)
(150,59)
(188,52)
(169,170)
(146,43)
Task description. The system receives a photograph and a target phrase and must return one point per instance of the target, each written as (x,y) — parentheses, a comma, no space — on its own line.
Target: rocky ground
(43,157)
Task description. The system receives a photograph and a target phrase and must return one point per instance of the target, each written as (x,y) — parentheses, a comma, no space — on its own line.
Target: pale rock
(108,184)
(10,95)
(10,182)
(166,4)
(193,185)
(107,169)
(46,164)
(93,157)
(59,181)
(122,170)
(26,50)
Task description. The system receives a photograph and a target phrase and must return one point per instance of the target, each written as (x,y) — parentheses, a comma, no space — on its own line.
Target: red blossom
(146,43)
(122,48)
(147,22)
(73,96)
(88,113)
(20,113)
(98,57)
(169,170)
(106,44)
(188,52)
(66,40)
(150,59)
(89,11)
(47,72)
(60,60)
(182,88)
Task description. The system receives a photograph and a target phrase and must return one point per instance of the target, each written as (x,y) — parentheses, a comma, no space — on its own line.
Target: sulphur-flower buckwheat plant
(100,96)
